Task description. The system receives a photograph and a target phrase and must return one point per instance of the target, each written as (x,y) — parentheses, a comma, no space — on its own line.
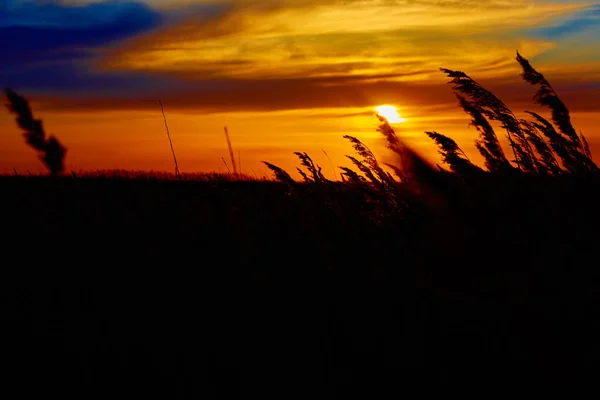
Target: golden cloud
(402,40)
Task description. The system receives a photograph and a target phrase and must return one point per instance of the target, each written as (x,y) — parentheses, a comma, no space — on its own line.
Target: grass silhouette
(177,174)
(53,152)
(426,279)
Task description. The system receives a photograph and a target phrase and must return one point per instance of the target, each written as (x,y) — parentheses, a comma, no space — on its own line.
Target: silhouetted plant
(351,176)
(413,167)
(558,143)
(533,154)
(53,152)
(538,148)
(170,141)
(546,96)
(235,170)
(418,175)
(369,166)
(280,174)
(369,161)
(488,144)
(397,171)
(393,143)
(486,103)
(365,170)
(586,146)
(452,155)
(547,163)
(314,170)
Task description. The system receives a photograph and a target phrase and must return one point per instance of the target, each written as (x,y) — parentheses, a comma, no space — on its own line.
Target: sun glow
(390,113)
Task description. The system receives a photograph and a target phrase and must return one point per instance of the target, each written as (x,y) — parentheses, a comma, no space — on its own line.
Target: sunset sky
(282,75)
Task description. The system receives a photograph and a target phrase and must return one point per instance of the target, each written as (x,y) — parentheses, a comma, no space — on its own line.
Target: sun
(390,113)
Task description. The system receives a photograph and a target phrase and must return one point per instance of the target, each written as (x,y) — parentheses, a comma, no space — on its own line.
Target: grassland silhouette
(425,277)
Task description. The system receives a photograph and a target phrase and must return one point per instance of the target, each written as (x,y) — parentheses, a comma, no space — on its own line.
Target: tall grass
(338,282)
(538,146)
(235,171)
(177,174)
(52,151)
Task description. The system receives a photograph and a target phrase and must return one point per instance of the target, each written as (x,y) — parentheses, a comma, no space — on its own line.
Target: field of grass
(154,287)
(147,286)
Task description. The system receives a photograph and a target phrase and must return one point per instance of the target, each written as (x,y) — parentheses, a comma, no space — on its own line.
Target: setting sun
(390,113)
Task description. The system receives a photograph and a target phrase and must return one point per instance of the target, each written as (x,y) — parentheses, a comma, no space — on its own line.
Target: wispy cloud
(277,54)
(405,40)
(281,53)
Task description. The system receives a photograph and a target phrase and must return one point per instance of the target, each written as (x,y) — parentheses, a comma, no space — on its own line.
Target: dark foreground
(163,289)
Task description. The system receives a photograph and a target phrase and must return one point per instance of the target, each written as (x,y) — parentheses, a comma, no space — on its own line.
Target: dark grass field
(456,280)
(153,288)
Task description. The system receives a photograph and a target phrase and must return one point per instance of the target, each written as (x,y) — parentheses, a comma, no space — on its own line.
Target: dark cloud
(47,45)
(276,95)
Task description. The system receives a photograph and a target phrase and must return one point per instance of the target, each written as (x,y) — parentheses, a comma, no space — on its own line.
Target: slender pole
(170,142)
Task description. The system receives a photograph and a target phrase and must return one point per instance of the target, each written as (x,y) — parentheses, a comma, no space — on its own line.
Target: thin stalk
(177,174)
(512,146)
(230,151)
(225,162)
(332,166)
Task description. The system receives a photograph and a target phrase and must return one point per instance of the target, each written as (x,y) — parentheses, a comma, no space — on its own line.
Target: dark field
(435,279)
(150,288)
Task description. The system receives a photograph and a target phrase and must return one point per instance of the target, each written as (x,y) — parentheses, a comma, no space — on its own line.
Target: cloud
(581,22)
(290,39)
(40,28)
(51,42)
(577,37)
(279,54)
(294,94)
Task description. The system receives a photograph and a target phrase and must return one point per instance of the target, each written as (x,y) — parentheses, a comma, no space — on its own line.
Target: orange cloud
(404,40)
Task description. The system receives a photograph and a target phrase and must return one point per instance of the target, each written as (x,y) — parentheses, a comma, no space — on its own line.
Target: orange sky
(289,76)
